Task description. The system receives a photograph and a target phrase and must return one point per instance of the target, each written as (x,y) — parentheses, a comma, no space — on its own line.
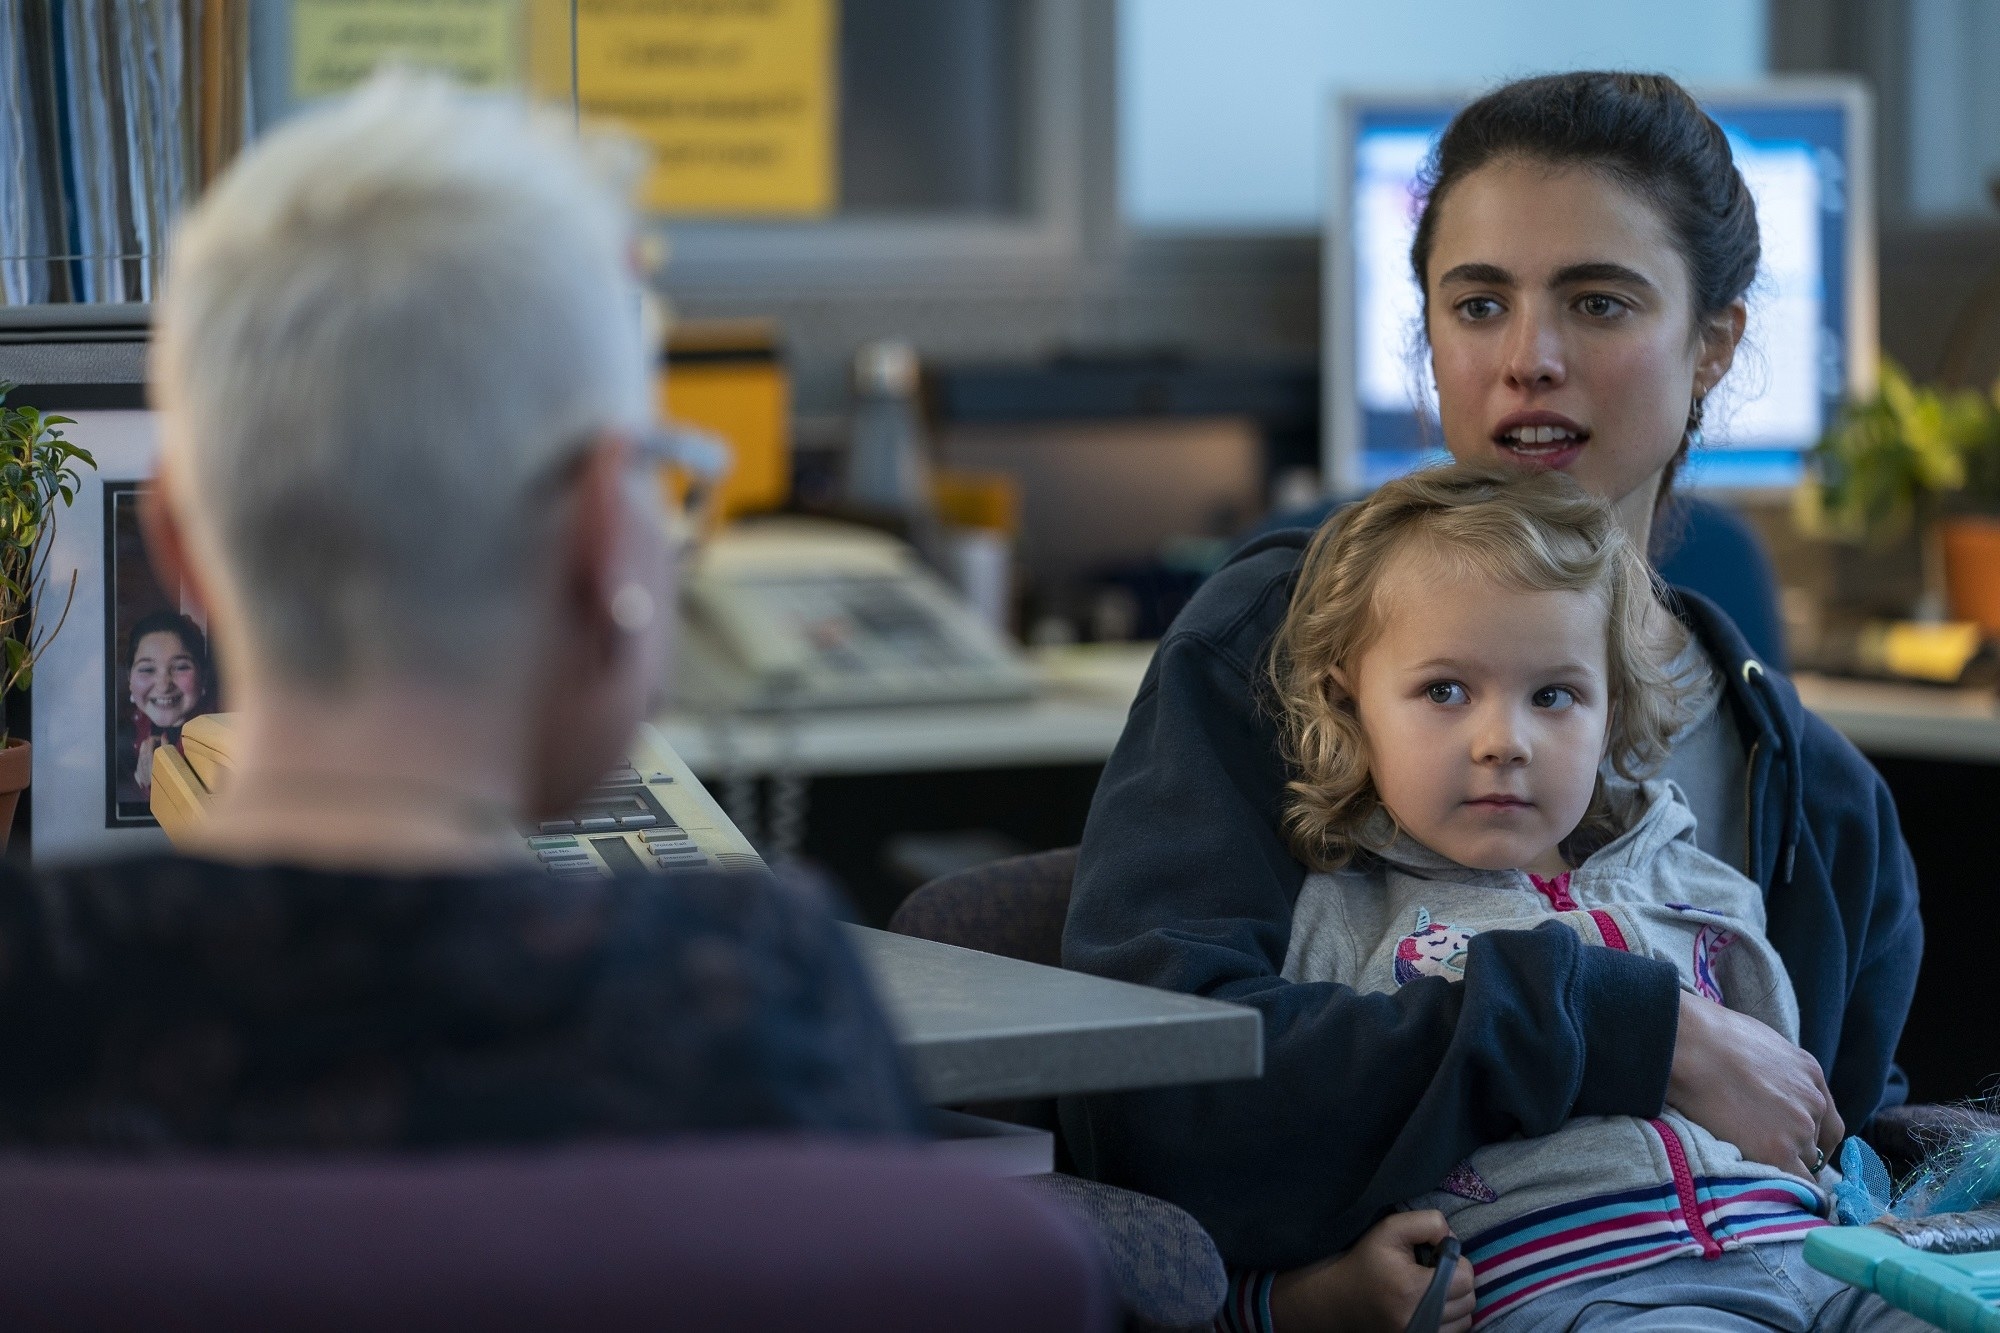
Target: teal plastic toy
(1958,1292)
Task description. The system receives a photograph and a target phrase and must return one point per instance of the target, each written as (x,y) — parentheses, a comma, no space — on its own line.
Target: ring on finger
(1818,1158)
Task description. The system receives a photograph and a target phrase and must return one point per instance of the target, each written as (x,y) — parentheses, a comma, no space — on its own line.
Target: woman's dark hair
(1641,130)
(191,637)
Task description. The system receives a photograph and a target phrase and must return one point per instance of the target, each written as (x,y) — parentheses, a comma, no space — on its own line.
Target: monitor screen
(1811,334)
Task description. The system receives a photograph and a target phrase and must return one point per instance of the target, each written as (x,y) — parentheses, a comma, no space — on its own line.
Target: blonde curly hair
(1538,532)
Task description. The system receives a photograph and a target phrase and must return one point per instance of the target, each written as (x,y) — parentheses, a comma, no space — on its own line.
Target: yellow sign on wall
(338,43)
(735,97)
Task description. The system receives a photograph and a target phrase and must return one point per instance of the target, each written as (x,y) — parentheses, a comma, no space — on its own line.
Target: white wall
(1954,121)
(1222,102)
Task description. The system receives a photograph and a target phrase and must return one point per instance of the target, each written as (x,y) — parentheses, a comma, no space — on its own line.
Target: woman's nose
(1533,351)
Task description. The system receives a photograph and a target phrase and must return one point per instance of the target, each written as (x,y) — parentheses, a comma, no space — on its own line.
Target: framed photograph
(86,798)
(158,672)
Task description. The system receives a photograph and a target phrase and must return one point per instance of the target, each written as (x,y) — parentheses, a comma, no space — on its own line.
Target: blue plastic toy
(1958,1292)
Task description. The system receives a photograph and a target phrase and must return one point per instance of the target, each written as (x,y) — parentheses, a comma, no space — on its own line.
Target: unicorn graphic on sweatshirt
(1433,949)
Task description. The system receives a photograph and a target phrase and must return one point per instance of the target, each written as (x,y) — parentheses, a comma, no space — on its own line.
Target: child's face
(165,683)
(1485,711)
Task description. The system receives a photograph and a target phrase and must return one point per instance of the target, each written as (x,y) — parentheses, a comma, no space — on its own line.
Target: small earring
(1694,436)
(632,608)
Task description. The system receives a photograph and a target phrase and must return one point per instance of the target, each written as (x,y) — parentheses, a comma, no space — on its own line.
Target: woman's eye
(1599,306)
(1554,696)
(1445,692)
(1478,307)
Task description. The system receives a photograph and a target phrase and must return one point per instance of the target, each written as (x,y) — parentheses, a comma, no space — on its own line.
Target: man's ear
(591,542)
(166,542)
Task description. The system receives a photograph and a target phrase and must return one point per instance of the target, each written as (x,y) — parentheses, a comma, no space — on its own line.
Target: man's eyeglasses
(686,466)
(692,465)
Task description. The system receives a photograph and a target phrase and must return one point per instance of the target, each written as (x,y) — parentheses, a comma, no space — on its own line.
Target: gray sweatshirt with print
(1601,1194)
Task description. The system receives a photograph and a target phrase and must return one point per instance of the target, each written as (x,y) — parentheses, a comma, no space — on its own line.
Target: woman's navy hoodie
(1185,882)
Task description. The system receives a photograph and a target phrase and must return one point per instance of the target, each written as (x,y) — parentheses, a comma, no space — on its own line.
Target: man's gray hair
(386,329)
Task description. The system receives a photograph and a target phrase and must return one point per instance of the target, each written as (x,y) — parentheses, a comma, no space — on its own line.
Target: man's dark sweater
(1185,882)
(174,1003)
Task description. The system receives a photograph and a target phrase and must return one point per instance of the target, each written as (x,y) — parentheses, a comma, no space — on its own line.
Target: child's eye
(1554,696)
(1599,306)
(1445,692)
(1476,308)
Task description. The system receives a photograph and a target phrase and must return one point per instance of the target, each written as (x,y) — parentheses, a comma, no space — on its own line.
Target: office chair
(1163,1265)
(744,1233)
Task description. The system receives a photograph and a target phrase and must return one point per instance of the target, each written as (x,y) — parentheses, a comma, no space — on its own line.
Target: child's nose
(1502,738)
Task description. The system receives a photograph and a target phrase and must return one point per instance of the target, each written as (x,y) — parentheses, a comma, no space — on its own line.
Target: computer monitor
(1803,146)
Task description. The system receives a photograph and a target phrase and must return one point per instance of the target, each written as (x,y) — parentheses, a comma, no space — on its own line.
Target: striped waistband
(1615,1233)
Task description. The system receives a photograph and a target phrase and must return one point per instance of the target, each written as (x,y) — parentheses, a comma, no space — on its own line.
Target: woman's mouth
(1541,439)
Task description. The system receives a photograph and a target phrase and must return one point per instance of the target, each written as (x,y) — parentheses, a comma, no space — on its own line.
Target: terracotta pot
(1972,570)
(16,765)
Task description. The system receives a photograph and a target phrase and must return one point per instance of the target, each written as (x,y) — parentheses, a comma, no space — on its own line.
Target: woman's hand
(1748,1086)
(1374,1287)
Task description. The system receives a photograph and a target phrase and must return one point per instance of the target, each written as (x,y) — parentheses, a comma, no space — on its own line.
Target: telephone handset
(808,613)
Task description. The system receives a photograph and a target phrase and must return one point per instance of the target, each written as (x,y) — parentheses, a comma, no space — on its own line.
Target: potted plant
(1922,460)
(38,477)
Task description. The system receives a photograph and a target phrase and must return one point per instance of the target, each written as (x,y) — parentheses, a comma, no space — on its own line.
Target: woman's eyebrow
(1484,275)
(1601,270)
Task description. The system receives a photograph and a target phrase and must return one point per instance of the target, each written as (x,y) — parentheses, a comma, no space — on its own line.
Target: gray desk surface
(1087,692)
(1076,718)
(1909,721)
(977,1027)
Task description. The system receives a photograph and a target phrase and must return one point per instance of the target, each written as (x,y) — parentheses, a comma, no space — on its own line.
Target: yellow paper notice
(735,97)
(338,43)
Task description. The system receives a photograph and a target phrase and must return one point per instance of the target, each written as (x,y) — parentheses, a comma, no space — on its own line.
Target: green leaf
(1885,459)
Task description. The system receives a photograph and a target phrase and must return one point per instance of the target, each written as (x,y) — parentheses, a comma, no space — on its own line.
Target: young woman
(1584,252)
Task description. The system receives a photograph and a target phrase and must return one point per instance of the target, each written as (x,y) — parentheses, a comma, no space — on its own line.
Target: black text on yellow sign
(736,99)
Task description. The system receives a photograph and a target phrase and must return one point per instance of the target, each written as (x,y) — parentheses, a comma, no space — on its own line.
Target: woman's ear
(1719,340)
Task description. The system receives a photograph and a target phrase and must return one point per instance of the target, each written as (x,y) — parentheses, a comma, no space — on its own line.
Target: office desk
(1088,691)
(977,1027)
(1908,721)
(1075,719)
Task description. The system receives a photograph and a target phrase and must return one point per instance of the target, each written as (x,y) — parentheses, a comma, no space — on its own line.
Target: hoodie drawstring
(1758,685)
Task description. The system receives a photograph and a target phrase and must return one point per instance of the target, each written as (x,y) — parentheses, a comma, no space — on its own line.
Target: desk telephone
(806,613)
(650,814)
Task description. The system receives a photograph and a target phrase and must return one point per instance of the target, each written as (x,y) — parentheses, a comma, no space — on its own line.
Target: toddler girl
(1473,683)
